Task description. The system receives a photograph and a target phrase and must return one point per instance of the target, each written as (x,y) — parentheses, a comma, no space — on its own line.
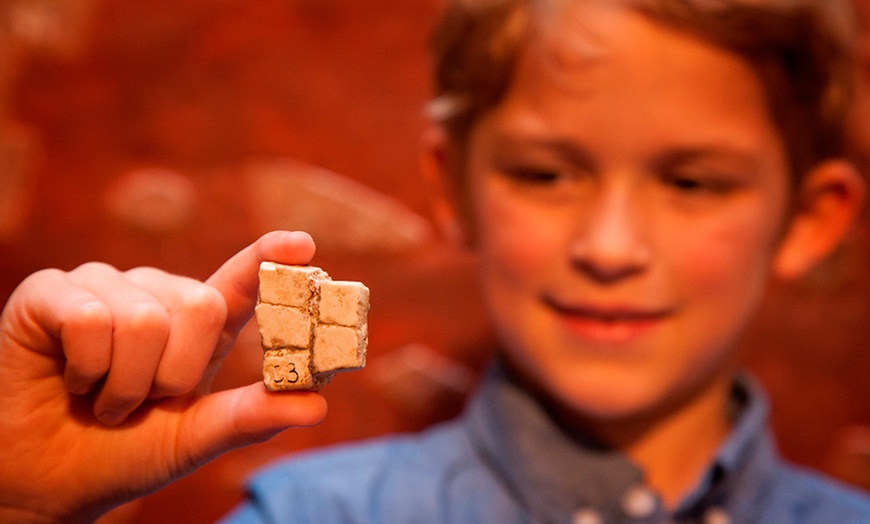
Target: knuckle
(43,279)
(91,315)
(144,274)
(146,317)
(88,320)
(142,270)
(94,268)
(44,274)
(206,303)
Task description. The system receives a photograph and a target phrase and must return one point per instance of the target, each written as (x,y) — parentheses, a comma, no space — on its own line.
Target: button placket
(587,516)
(716,515)
(639,503)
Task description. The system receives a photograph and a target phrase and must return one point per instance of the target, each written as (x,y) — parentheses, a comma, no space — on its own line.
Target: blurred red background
(137,133)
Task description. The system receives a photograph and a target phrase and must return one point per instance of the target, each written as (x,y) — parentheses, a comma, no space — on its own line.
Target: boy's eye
(686,184)
(544,183)
(535,175)
(699,184)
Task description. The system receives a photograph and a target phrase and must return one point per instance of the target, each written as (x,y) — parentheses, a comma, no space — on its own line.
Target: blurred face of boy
(628,195)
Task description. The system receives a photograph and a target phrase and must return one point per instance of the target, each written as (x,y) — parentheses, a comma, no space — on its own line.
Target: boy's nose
(611,241)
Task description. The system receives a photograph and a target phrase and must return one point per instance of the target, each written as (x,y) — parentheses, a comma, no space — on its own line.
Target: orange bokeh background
(204,89)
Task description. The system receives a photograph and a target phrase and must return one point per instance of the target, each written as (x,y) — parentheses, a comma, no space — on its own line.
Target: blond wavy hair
(800,49)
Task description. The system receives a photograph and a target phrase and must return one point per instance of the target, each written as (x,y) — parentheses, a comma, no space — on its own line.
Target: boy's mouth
(608,323)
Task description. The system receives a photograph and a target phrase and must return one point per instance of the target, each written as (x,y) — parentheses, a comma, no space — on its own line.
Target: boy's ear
(826,207)
(439,164)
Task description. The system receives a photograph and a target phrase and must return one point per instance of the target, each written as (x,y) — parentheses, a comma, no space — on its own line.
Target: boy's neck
(675,452)
(675,447)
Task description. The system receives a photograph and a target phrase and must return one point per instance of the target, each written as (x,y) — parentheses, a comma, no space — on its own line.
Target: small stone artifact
(311,326)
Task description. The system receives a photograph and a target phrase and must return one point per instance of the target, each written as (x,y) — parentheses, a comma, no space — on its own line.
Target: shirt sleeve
(289,494)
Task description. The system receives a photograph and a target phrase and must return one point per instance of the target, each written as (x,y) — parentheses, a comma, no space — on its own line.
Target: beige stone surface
(310,326)
(283,326)
(289,370)
(289,285)
(339,348)
(343,303)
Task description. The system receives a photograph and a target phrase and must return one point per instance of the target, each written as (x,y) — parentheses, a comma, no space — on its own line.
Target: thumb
(230,419)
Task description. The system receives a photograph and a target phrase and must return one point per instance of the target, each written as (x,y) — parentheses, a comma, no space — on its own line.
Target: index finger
(237,279)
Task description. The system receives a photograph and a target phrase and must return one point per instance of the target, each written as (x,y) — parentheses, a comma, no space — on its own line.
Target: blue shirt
(506,461)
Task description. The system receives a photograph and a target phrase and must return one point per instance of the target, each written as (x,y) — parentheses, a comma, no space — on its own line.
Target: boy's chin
(586,397)
(586,400)
(605,406)
(623,407)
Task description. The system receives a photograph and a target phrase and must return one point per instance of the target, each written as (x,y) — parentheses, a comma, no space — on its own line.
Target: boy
(630,173)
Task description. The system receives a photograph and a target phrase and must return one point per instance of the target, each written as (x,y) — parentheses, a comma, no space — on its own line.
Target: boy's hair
(801,51)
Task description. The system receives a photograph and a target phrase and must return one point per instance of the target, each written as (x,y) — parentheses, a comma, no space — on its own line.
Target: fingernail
(84,389)
(111,418)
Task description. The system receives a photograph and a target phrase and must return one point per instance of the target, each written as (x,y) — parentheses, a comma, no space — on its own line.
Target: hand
(104,382)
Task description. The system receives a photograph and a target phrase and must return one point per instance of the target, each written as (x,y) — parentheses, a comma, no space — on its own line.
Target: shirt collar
(553,474)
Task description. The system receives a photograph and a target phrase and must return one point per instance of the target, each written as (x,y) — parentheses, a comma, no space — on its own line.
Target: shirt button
(639,503)
(716,516)
(588,516)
